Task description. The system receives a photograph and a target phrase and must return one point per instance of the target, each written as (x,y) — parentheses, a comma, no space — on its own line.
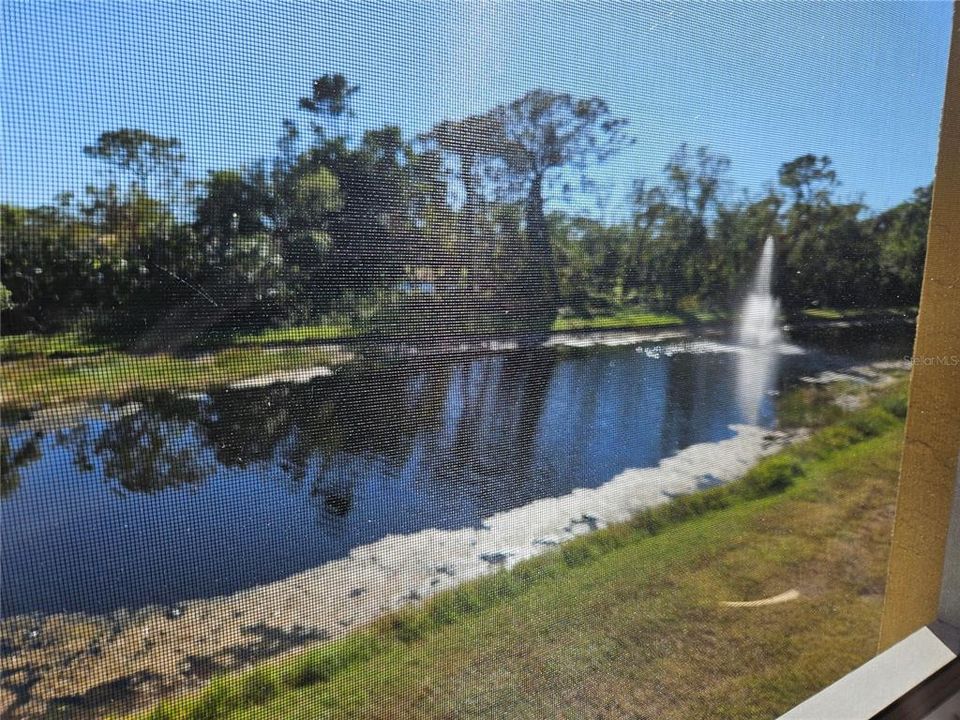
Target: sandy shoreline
(70,659)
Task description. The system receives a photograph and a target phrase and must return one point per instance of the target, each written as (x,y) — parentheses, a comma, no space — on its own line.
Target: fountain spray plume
(759,319)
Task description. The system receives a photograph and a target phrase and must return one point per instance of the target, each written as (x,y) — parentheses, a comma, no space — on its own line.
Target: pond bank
(47,387)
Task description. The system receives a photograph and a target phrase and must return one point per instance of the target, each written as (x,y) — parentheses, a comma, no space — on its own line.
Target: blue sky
(762,83)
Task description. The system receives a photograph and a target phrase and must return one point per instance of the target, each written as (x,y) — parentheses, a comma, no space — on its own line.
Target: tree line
(445,231)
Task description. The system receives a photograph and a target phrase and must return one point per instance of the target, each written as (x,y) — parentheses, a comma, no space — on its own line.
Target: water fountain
(760,339)
(759,325)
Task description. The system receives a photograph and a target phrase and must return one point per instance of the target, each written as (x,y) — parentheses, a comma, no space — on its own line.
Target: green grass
(78,344)
(621,320)
(322,332)
(73,344)
(68,344)
(113,376)
(631,319)
(810,406)
(39,370)
(626,621)
(45,370)
(826,313)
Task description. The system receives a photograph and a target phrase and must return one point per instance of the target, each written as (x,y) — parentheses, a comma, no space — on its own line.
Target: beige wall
(932,438)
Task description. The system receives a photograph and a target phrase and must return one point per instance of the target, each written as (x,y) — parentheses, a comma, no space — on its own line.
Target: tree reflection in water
(144,452)
(15,456)
(470,426)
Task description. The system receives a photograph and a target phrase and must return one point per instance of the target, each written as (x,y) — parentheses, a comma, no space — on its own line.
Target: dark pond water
(185,498)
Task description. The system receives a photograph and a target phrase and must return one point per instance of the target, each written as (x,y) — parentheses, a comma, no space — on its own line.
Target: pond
(185,497)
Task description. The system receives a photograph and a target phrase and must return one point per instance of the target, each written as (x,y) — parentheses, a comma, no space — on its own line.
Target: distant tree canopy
(137,151)
(504,158)
(447,230)
(330,97)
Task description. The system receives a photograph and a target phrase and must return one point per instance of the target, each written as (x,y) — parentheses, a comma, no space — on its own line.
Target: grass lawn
(45,370)
(67,344)
(323,332)
(112,376)
(42,370)
(74,344)
(825,313)
(621,320)
(627,621)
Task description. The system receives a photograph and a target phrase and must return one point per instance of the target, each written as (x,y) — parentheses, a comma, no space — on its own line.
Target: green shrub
(833,438)
(258,686)
(647,522)
(305,669)
(614,537)
(466,600)
(896,403)
(872,421)
(217,700)
(577,552)
(537,568)
(349,651)
(408,626)
(770,476)
(499,586)
(163,711)
(322,663)
(808,406)
(694,505)
(443,610)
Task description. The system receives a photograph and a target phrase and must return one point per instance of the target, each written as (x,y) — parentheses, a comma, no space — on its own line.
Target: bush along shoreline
(791,472)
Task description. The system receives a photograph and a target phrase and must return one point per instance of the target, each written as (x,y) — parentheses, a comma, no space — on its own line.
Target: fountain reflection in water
(760,337)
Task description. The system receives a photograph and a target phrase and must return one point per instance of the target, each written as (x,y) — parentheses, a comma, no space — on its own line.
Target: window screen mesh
(441,360)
